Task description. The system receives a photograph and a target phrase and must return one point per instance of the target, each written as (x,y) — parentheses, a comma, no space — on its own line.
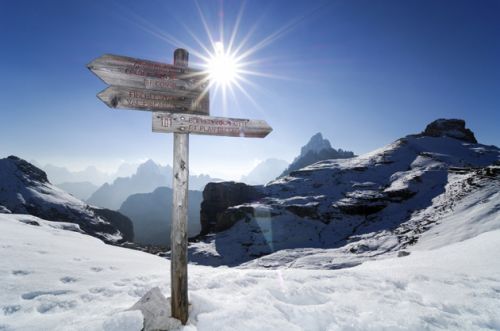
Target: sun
(222,67)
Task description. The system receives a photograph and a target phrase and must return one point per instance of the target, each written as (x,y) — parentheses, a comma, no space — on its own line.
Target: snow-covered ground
(55,279)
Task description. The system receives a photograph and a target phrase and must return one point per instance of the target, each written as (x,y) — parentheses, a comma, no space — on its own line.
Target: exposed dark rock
(230,217)
(452,128)
(362,202)
(309,210)
(360,207)
(4,210)
(217,197)
(30,222)
(30,170)
(120,221)
(399,195)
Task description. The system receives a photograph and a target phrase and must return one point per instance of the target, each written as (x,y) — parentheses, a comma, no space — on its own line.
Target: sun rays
(228,58)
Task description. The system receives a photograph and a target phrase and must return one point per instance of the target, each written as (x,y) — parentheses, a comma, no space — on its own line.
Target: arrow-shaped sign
(209,125)
(134,98)
(132,72)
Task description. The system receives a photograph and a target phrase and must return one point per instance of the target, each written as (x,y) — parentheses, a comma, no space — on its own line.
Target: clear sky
(362,72)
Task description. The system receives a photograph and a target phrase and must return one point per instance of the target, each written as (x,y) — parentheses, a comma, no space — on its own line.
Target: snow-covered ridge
(369,206)
(25,189)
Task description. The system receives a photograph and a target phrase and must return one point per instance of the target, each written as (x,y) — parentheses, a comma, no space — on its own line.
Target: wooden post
(178,270)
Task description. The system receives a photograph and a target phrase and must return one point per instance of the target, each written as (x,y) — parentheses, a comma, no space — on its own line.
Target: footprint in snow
(34,294)
(5,327)
(67,279)
(96,269)
(52,307)
(21,272)
(107,292)
(9,310)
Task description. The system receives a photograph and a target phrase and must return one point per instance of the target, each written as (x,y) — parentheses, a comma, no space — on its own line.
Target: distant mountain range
(80,190)
(91,174)
(25,189)
(148,177)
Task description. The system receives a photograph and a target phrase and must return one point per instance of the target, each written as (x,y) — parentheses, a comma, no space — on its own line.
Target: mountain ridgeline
(148,177)
(340,212)
(25,189)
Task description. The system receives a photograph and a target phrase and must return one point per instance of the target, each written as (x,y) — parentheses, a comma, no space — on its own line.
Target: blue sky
(362,72)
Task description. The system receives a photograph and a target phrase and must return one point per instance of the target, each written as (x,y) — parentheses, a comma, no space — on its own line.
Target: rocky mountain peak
(317,149)
(316,144)
(28,170)
(452,128)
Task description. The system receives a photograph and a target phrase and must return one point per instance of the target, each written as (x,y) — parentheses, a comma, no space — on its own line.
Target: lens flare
(222,67)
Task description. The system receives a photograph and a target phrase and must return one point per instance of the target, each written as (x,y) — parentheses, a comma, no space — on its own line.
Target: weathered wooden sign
(209,125)
(175,94)
(133,98)
(132,72)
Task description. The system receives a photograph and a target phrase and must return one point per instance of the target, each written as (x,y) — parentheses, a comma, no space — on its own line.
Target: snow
(478,212)
(54,279)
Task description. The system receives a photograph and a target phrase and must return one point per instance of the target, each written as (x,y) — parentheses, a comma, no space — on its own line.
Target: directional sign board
(142,76)
(209,125)
(134,98)
(132,72)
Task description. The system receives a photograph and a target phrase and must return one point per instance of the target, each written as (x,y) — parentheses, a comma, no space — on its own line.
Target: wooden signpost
(132,72)
(177,95)
(209,125)
(134,98)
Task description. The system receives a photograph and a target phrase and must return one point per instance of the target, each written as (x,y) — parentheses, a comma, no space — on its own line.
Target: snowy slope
(54,279)
(363,207)
(25,189)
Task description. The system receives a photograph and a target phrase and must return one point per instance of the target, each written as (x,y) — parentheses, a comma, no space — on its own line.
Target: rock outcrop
(218,197)
(452,128)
